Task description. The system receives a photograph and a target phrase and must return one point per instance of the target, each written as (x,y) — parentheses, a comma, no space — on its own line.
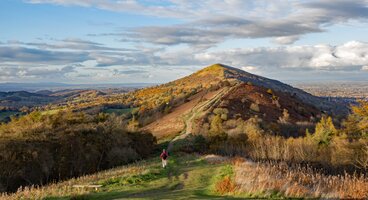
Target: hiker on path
(164,155)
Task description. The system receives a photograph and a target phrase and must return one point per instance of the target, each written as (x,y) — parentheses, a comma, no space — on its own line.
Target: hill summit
(220,72)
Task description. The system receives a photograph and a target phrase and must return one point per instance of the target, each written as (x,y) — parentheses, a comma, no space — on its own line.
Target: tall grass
(339,153)
(270,178)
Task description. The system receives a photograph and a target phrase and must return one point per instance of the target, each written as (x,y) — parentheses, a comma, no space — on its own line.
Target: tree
(216,125)
(325,130)
(356,125)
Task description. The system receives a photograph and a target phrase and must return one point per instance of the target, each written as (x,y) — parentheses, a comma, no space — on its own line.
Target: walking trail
(197,111)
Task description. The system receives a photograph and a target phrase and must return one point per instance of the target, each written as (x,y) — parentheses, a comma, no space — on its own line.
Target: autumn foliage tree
(325,130)
(356,125)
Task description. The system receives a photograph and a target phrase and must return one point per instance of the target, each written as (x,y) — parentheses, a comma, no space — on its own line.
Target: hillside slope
(322,104)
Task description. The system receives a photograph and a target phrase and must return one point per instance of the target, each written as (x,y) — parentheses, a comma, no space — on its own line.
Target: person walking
(164,155)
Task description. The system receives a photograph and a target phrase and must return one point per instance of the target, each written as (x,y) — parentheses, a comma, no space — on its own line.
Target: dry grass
(297,181)
(215,159)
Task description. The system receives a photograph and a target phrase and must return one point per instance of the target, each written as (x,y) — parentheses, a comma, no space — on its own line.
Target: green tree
(325,130)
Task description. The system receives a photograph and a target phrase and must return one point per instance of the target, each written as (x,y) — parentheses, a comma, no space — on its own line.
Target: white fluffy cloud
(350,56)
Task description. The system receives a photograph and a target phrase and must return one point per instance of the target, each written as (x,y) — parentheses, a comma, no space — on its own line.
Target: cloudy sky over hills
(111,41)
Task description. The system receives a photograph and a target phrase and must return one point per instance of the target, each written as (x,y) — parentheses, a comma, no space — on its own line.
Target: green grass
(186,177)
(119,111)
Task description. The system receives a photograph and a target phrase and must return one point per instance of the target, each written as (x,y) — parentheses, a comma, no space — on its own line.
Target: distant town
(337,91)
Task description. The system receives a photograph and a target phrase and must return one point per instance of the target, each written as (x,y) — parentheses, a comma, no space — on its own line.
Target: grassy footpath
(187,176)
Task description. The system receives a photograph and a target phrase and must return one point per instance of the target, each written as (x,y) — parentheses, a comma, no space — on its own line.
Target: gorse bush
(37,148)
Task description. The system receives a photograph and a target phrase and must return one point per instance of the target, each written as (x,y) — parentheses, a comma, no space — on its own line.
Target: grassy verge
(187,176)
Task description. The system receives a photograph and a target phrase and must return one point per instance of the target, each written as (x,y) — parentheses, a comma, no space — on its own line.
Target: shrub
(220,111)
(216,126)
(285,117)
(254,107)
(269,91)
(225,186)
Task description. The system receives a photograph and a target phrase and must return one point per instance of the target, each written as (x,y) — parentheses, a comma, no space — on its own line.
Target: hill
(233,94)
(217,110)
(149,106)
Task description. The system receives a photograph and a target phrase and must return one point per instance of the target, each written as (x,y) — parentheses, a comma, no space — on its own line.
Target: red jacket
(164,155)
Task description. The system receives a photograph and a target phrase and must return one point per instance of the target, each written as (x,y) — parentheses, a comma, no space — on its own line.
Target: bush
(225,184)
(216,126)
(269,91)
(254,107)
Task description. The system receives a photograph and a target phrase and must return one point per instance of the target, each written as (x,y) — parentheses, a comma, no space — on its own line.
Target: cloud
(66,51)
(339,10)
(350,56)
(184,9)
(215,28)
(17,61)
(16,72)
(286,39)
(33,55)
(209,22)
(68,43)
(132,71)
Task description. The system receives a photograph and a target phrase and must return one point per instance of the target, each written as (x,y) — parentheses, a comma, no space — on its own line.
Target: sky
(155,41)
